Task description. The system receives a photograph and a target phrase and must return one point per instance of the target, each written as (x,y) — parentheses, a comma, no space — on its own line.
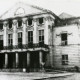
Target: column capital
(14,22)
(35,19)
(24,20)
(5,23)
(47,18)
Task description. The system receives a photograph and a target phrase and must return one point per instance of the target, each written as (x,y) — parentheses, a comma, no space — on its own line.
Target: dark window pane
(43,38)
(29,21)
(31,39)
(40,20)
(64,36)
(1,25)
(41,35)
(10,23)
(19,23)
(1,44)
(30,36)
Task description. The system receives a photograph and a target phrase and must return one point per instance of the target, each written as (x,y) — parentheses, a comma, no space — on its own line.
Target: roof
(65,15)
(22,9)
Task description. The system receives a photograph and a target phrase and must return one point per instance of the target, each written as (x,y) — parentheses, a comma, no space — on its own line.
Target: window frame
(41,37)
(10,24)
(41,22)
(1,24)
(10,39)
(20,40)
(31,22)
(64,59)
(19,24)
(30,36)
(1,42)
(64,41)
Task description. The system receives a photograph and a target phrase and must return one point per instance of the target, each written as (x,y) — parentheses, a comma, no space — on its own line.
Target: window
(1,25)
(20,39)
(40,20)
(10,41)
(30,38)
(64,39)
(41,37)
(10,24)
(29,22)
(19,23)
(64,59)
(1,42)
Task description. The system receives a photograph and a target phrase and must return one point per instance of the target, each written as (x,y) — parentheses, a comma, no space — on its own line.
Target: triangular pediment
(22,9)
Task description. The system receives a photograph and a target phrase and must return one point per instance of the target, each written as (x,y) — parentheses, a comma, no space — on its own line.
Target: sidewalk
(31,75)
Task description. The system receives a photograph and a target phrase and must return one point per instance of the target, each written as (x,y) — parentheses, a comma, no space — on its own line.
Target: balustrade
(25,46)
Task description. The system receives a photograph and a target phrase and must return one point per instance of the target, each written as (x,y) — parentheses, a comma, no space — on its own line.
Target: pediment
(21,9)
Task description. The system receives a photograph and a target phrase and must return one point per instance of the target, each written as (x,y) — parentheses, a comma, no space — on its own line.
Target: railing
(63,43)
(25,46)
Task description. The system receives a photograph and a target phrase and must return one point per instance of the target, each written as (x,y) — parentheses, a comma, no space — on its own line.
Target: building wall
(72,49)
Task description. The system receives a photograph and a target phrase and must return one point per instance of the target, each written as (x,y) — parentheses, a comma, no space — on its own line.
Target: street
(38,75)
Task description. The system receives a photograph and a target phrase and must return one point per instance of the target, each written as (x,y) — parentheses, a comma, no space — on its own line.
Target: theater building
(31,36)
(25,36)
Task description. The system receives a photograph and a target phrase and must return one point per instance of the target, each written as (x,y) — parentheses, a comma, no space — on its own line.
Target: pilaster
(17,60)
(15,35)
(6,60)
(40,58)
(46,31)
(28,59)
(25,32)
(35,32)
(5,37)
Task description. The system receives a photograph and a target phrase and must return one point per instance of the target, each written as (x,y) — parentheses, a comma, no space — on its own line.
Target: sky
(71,7)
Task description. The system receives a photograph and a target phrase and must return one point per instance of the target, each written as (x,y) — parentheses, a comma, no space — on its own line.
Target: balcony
(26,46)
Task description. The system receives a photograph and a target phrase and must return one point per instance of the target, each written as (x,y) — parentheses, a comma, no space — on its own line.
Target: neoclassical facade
(25,36)
(31,36)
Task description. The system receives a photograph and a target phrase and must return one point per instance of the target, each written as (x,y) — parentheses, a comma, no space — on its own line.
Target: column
(17,60)
(40,58)
(28,59)
(15,35)
(6,60)
(5,37)
(35,32)
(46,32)
(25,32)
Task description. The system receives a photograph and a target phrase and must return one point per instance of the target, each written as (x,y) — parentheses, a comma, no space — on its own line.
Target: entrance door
(11,60)
(2,60)
(22,60)
(34,60)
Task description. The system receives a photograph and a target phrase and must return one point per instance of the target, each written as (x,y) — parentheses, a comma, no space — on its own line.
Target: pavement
(31,75)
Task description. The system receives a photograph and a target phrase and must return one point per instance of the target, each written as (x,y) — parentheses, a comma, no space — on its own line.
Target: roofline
(30,15)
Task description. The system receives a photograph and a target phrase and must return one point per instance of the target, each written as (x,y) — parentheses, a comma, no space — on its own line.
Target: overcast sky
(57,6)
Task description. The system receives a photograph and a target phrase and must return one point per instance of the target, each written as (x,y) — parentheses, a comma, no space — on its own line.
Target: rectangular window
(19,23)
(64,39)
(1,42)
(10,39)
(20,39)
(64,59)
(30,38)
(1,25)
(41,20)
(41,37)
(29,22)
(10,24)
